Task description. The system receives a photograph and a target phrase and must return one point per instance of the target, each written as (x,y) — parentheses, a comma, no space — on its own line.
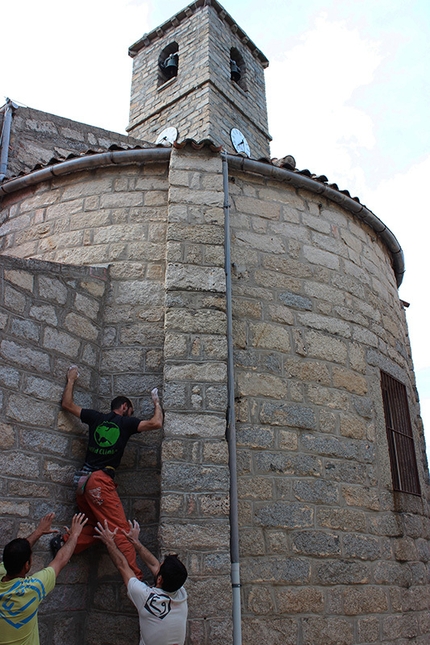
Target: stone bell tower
(200,73)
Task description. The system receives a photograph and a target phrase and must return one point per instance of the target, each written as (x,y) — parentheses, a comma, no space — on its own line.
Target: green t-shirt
(19,601)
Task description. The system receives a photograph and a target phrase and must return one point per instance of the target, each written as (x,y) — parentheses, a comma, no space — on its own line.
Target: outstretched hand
(104,533)
(154,395)
(133,534)
(78,522)
(44,526)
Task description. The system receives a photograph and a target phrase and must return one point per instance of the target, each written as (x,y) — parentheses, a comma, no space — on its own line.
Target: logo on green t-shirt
(106,434)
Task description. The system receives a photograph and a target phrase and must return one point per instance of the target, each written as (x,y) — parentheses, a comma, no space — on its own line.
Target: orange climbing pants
(101,502)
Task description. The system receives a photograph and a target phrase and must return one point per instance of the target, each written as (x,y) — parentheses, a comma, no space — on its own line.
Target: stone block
(44,313)
(259,385)
(334,447)
(52,289)
(195,278)
(325,347)
(268,336)
(255,437)
(264,243)
(283,514)
(25,329)
(214,505)
(287,571)
(368,629)
(285,414)
(342,572)
(361,497)
(259,600)
(215,452)
(316,491)
(42,388)
(299,601)
(361,547)
(25,409)
(19,464)
(7,436)
(207,478)
(277,541)
(9,507)
(300,465)
(42,442)
(349,380)
(316,543)
(53,339)
(325,323)
(195,536)
(276,631)
(259,488)
(198,372)
(352,426)
(196,425)
(251,542)
(330,631)
(14,300)
(342,519)
(202,321)
(22,279)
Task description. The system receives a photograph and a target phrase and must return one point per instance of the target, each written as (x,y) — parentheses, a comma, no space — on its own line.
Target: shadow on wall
(51,316)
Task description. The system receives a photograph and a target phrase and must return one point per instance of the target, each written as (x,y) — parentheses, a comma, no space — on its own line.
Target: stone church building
(290,475)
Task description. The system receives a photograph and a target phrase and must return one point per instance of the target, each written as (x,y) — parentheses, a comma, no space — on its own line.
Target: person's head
(173,573)
(123,405)
(17,557)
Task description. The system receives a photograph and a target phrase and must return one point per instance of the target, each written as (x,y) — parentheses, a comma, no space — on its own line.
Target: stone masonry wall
(194,478)
(202,101)
(117,218)
(48,318)
(36,137)
(329,552)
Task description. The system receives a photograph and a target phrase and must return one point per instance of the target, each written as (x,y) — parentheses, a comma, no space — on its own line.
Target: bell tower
(198,76)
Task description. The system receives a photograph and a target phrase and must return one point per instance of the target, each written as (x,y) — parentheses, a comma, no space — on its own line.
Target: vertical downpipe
(231,422)
(5,138)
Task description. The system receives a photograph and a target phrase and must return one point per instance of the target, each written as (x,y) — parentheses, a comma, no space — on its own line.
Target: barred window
(399,434)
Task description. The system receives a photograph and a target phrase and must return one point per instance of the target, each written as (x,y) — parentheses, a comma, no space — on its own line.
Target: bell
(170,66)
(235,71)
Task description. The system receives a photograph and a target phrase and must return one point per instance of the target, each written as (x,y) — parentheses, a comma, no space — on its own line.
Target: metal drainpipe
(231,423)
(5,138)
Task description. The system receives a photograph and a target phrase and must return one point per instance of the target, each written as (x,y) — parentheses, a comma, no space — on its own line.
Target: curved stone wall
(328,550)
(326,554)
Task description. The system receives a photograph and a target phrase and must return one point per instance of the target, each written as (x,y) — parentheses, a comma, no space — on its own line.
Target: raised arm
(156,421)
(117,557)
(42,528)
(65,553)
(67,402)
(146,556)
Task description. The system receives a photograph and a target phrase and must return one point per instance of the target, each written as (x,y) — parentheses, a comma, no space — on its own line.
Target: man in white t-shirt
(163,608)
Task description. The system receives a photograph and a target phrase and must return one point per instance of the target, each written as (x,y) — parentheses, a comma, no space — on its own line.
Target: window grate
(399,434)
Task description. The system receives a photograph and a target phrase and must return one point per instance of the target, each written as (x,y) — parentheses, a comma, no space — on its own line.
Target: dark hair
(118,402)
(15,555)
(173,573)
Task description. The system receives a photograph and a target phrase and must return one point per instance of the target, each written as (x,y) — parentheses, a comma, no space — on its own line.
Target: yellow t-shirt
(19,601)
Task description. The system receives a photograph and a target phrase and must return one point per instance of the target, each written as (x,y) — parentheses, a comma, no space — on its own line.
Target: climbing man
(21,594)
(163,608)
(108,435)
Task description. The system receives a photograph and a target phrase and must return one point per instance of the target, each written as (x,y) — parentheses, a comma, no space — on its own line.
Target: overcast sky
(348,90)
